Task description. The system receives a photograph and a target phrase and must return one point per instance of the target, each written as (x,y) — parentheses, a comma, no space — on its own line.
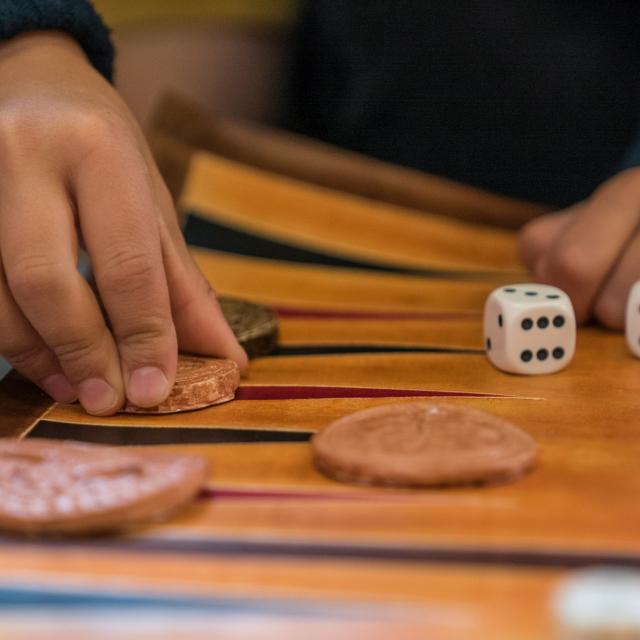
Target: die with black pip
(632,324)
(529,329)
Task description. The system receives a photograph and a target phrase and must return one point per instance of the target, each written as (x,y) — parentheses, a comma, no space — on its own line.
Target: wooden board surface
(377,304)
(380,598)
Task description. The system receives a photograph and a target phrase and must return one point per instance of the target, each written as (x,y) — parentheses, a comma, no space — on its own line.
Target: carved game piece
(420,444)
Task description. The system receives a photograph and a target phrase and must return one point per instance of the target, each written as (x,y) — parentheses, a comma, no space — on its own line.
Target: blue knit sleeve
(77,18)
(632,157)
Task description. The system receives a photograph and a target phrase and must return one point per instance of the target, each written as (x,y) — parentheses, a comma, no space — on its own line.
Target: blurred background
(229,55)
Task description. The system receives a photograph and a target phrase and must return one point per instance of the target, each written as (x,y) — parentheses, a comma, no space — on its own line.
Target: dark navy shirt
(535,99)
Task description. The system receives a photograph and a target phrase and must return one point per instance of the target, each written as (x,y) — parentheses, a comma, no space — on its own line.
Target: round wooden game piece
(255,326)
(422,444)
(200,382)
(62,487)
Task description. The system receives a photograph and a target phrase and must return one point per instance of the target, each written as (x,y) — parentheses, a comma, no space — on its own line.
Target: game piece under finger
(200,382)
(51,487)
(254,325)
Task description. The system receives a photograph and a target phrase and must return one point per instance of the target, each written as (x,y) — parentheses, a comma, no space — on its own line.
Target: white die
(632,324)
(529,328)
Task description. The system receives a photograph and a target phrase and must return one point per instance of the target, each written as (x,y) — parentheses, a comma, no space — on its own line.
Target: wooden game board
(376,303)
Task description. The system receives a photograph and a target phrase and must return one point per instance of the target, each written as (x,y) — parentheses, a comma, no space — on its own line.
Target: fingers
(26,352)
(538,236)
(610,306)
(119,223)
(200,324)
(38,256)
(587,250)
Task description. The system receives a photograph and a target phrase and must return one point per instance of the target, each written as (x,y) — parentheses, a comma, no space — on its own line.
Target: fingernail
(97,396)
(148,386)
(59,388)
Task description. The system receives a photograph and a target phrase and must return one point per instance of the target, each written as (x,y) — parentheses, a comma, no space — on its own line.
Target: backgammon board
(376,304)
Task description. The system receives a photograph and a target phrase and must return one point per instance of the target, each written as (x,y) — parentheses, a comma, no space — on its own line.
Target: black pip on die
(529,329)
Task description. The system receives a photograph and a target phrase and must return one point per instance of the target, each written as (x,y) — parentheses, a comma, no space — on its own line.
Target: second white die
(632,324)
(529,328)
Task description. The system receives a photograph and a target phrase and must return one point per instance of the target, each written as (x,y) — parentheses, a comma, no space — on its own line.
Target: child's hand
(74,167)
(591,250)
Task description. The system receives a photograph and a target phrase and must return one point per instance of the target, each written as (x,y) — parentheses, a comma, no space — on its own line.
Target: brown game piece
(254,325)
(200,382)
(63,487)
(422,444)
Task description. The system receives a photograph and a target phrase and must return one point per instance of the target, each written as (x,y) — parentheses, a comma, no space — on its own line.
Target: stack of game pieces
(254,325)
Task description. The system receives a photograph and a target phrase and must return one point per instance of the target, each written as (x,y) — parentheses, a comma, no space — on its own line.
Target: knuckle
(96,137)
(76,349)
(24,358)
(34,275)
(147,342)
(99,127)
(127,270)
(15,126)
(149,332)
(572,268)
(23,129)
(22,124)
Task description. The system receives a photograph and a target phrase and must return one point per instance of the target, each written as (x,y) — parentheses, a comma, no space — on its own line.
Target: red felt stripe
(354,314)
(294,392)
(258,494)
(367,494)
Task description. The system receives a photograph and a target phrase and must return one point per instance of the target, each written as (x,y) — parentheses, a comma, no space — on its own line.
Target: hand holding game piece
(48,487)
(77,170)
(529,329)
(422,444)
(200,382)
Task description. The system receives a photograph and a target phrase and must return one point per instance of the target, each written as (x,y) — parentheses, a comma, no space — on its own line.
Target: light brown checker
(589,473)
(596,489)
(199,382)
(67,488)
(423,445)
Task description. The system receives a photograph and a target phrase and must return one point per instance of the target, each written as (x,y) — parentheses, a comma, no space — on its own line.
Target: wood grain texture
(21,405)
(316,287)
(491,556)
(441,601)
(315,217)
